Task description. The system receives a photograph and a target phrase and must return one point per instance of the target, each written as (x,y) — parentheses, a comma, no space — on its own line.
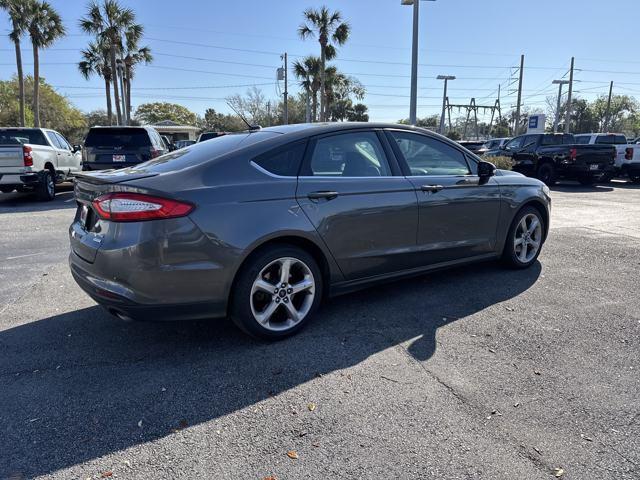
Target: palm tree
(308,72)
(329,28)
(96,60)
(18,13)
(133,55)
(45,27)
(108,21)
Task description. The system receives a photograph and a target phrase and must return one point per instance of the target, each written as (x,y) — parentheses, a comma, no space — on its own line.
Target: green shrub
(503,163)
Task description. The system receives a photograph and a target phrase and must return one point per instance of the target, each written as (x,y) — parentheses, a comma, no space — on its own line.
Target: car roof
(329,127)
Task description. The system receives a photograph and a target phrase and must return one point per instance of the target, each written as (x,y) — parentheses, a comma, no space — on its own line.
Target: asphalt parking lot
(477,372)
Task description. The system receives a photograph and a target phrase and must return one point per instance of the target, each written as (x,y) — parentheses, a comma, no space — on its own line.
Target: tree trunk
(20,82)
(107,86)
(323,46)
(36,87)
(314,106)
(128,92)
(114,79)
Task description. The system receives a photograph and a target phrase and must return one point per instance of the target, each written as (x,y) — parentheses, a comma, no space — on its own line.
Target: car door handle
(327,195)
(431,188)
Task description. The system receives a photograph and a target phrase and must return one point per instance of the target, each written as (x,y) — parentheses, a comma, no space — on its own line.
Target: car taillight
(573,153)
(155,152)
(133,207)
(27,156)
(628,153)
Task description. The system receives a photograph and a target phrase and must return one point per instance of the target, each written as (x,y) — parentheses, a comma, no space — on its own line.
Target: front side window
(514,143)
(284,161)
(428,156)
(358,154)
(63,143)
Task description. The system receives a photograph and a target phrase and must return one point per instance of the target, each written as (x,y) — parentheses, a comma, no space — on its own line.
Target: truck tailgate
(11,157)
(595,154)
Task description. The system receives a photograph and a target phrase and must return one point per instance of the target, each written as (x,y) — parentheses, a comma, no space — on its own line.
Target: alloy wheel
(527,238)
(282,294)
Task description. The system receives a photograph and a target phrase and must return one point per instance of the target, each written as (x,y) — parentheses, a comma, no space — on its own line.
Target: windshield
(20,136)
(117,137)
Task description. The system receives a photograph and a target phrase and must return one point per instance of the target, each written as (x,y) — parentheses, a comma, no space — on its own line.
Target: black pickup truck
(550,157)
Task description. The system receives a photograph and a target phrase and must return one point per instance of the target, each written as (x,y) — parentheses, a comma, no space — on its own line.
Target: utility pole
(606,117)
(286,91)
(414,66)
(567,120)
(268,113)
(516,127)
(446,78)
(556,120)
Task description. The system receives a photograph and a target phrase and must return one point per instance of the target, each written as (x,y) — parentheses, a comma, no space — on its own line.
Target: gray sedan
(262,225)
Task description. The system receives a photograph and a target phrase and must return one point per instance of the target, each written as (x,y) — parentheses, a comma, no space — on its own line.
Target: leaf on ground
(292,454)
(558,472)
(270,477)
(537,372)
(311,406)
(106,474)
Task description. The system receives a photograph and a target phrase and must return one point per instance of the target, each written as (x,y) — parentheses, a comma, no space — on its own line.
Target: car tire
(547,174)
(261,307)
(606,178)
(46,188)
(7,189)
(634,178)
(513,255)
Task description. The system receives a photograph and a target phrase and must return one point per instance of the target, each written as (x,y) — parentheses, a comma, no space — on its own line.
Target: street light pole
(560,83)
(414,61)
(446,78)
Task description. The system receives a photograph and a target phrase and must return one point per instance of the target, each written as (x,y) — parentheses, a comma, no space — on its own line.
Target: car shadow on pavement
(81,385)
(28,202)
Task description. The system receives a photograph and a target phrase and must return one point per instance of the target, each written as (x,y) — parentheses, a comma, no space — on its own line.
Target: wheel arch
(542,209)
(303,242)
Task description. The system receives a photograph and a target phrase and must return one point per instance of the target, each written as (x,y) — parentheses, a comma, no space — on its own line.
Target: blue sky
(237,44)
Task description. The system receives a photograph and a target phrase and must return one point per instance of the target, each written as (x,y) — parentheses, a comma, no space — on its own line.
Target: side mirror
(486,170)
(77,148)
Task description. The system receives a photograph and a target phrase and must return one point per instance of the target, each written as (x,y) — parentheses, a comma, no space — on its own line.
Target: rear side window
(117,137)
(20,136)
(552,140)
(284,161)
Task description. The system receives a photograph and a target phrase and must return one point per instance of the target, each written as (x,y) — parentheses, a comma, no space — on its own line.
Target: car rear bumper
(19,178)
(631,168)
(117,299)
(585,170)
(166,268)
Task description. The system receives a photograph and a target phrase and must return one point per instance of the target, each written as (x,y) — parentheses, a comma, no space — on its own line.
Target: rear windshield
(612,139)
(117,137)
(203,152)
(210,135)
(20,136)
(562,139)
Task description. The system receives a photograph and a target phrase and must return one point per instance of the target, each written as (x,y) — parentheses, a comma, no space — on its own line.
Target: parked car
(35,159)
(168,143)
(261,225)
(183,143)
(493,144)
(550,157)
(209,135)
(472,145)
(119,147)
(627,162)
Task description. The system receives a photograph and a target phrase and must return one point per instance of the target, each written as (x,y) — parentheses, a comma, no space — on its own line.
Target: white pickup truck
(627,154)
(35,159)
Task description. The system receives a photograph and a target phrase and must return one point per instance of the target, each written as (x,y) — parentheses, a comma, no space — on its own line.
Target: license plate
(119,158)
(594,167)
(84,212)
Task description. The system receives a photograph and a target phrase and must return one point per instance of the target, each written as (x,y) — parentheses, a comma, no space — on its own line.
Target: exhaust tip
(122,316)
